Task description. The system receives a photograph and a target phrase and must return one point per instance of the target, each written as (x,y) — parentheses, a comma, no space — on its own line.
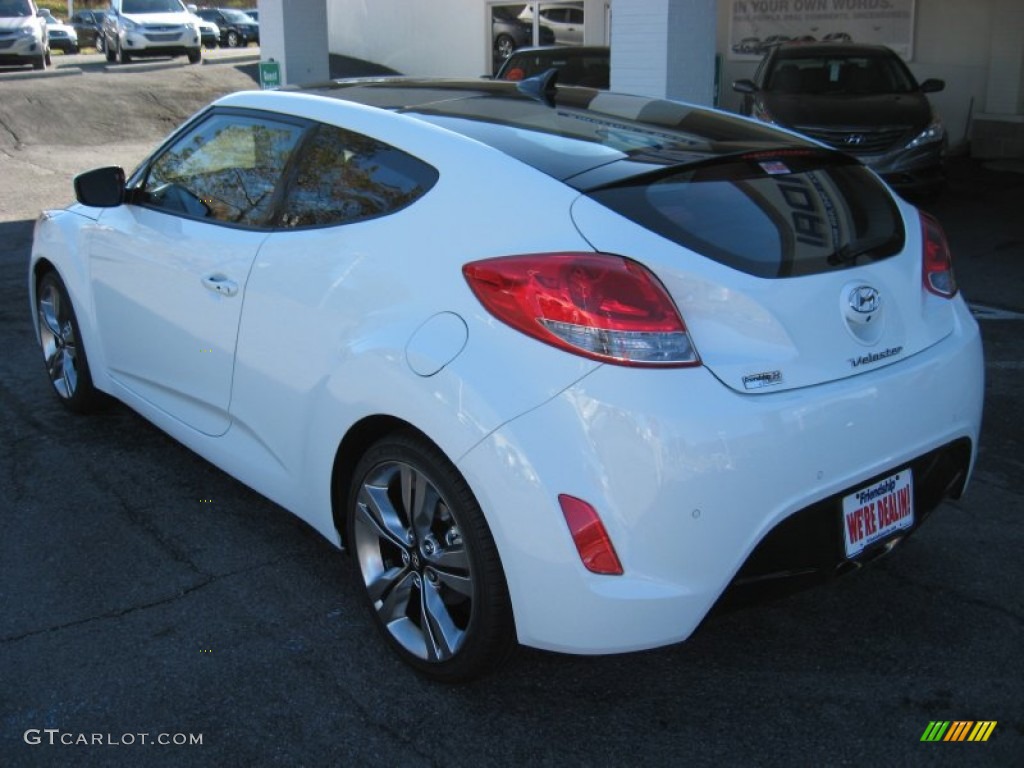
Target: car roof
(537,128)
(582,50)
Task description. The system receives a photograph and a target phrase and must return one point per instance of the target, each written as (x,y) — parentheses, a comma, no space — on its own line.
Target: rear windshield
(769,216)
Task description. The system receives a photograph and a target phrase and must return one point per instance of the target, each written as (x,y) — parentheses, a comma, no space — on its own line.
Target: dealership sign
(756,24)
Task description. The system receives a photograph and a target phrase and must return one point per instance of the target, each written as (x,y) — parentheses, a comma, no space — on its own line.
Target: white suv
(23,35)
(151,28)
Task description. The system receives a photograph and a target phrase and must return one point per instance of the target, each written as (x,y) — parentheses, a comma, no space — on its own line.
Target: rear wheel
(61,341)
(427,561)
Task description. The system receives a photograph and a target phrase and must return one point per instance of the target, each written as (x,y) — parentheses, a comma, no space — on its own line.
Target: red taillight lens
(938,263)
(590,537)
(604,307)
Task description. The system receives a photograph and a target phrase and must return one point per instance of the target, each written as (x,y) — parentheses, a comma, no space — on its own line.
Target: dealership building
(686,49)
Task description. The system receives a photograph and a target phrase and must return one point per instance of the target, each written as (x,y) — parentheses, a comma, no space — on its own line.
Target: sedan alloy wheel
(63,352)
(427,560)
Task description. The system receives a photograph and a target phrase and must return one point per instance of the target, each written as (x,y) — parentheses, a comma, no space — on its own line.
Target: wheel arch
(356,441)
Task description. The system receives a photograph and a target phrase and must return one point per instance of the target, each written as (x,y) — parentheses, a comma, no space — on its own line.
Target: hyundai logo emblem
(864,299)
(855,139)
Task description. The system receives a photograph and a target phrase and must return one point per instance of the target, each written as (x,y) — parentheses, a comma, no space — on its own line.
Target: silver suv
(23,35)
(151,28)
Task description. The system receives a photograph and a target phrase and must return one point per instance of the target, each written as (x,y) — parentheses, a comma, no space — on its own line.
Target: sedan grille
(6,44)
(857,142)
(163,38)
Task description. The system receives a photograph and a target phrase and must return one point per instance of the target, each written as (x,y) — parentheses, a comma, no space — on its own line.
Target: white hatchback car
(135,28)
(554,364)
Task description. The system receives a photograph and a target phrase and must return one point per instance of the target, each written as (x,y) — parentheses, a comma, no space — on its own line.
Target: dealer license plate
(877,511)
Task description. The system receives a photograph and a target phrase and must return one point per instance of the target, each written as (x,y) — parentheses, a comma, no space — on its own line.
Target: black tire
(47,58)
(63,350)
(233,39)
(434,585)
(123,57)
(39,62)
(110,51)
(196,56)
(100,44)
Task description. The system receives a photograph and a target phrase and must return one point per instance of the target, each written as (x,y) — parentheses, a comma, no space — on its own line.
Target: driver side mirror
(932,85)
(744,86)
(192,7)
(101,188)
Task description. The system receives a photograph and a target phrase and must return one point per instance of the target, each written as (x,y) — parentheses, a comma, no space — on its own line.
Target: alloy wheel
(59,341)
(413,561)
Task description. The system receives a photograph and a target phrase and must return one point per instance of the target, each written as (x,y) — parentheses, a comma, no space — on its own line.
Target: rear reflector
(604,307)
(937,271)
(590,537)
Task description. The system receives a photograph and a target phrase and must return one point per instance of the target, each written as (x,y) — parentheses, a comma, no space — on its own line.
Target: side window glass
(225,169)
(344,177)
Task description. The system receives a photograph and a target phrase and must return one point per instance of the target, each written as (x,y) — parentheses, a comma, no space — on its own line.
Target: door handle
(219,283)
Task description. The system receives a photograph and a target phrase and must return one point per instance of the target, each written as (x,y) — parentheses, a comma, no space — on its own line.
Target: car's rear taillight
(604,307)
(937,272)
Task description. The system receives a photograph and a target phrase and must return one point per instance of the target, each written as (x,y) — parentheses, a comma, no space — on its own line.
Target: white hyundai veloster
(555,365)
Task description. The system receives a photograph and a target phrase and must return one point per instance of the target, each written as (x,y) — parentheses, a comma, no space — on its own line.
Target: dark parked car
(509,32)
(236,28)
(861,99)
(576,64)
(89,26)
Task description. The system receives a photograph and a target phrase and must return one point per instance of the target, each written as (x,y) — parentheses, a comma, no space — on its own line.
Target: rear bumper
(691,479)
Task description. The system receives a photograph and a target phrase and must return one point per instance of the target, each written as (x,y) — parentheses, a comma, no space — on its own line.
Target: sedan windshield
(151,6)
(847,74)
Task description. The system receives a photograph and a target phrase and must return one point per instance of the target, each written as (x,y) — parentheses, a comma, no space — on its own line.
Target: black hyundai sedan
(859,98)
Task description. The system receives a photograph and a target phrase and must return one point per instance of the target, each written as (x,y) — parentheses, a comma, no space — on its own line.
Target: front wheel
(39,62)
(194,57)
(123,57)
(234,40)
(426,559)
(503,47)
(63,351)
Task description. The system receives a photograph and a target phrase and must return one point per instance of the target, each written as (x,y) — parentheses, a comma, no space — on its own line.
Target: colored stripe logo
(959,730)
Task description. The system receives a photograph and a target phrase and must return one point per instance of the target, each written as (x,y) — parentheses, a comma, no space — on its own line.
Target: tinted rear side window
(343,177)
(768,218)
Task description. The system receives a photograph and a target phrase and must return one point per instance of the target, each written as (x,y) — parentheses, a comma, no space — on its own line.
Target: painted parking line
(981,312)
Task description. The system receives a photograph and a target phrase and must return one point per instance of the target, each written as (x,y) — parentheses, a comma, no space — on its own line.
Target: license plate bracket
(877,511)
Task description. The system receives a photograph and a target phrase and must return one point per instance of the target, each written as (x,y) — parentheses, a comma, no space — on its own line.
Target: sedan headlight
(934,132)
(29,31)
(129,25)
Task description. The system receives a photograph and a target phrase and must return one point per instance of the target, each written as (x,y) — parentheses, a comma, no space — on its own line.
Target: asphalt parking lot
(145,596)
